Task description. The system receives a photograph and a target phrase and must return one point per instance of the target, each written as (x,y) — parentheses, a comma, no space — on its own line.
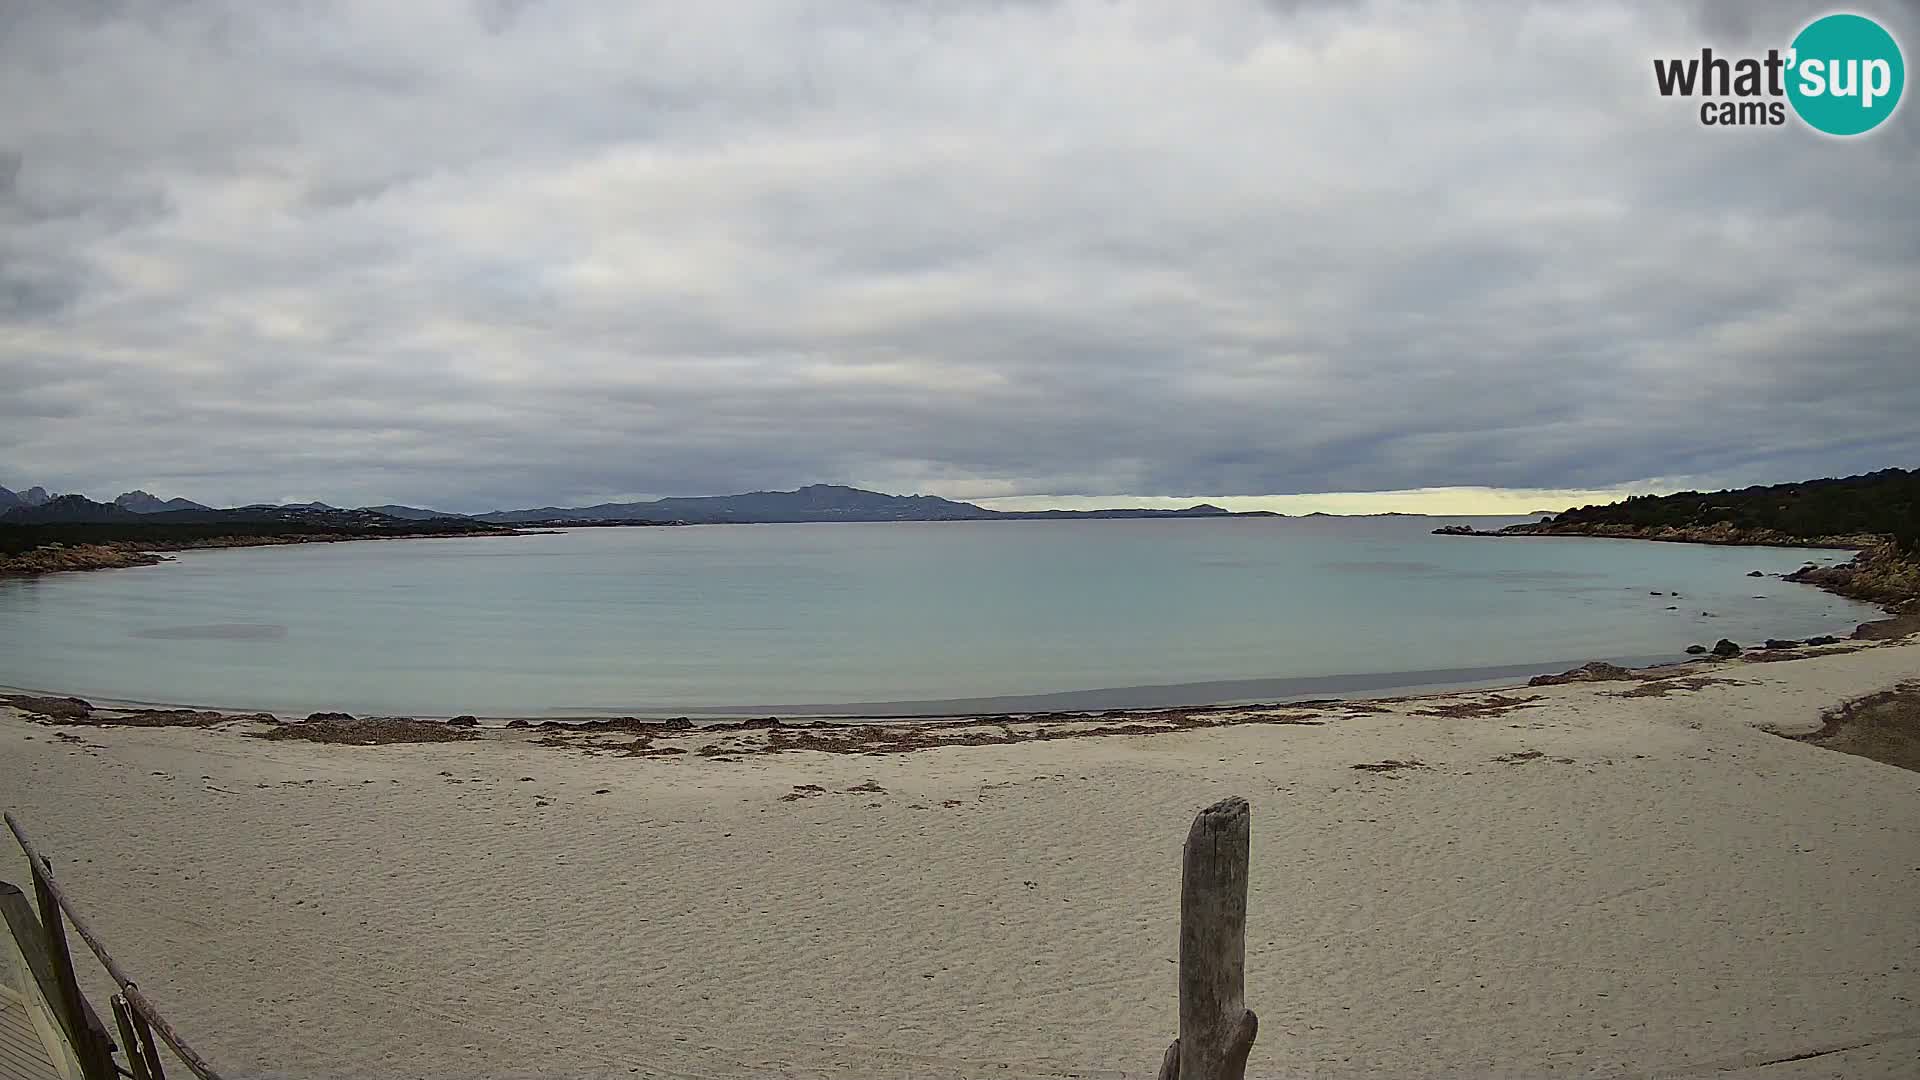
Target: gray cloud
(516,252)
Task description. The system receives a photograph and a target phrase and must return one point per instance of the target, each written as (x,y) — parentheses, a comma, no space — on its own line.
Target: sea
(888,619)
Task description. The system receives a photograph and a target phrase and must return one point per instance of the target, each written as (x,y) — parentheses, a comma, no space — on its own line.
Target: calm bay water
(895,617)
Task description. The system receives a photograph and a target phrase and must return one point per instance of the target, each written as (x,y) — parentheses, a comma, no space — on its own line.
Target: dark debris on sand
(1884,727)
(1663,687)
(341,729)
(1491,705)
(1389,765)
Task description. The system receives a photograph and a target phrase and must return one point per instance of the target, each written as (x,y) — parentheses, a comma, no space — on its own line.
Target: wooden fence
(138,1021)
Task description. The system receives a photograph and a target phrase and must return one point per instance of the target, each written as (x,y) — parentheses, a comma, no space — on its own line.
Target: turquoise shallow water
(960,616)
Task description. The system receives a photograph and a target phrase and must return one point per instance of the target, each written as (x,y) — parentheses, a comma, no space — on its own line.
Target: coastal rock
(517,723)
(1594,671)
(1881,575)
(1755,573)
(55,557)
(464,720)
(1779,643)
(1696,650)
(1720,532)
(1822,639)
(329,717)
(58,708)
(630,724)
(1723,647)
(1454,530)
(373,731)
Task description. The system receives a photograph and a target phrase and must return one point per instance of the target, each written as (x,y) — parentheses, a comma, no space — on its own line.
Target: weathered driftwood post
(1216,1027)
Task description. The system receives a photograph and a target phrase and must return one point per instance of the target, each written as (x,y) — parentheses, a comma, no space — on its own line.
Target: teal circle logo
(1845,74)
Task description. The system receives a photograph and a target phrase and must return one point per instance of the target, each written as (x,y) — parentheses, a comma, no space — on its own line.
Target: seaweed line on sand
(1883,726)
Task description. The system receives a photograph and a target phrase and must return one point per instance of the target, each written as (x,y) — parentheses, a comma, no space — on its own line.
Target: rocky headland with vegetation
(1877,515)
(73,533)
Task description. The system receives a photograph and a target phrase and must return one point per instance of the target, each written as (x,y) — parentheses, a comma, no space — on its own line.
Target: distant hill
(408,513)
(141,502)
(1196,510)
(287,506)
(817,502)
(1877,504)
(33,496)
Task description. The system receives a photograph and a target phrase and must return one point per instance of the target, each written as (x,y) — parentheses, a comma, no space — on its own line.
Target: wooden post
(1216,1027)
(96,1061)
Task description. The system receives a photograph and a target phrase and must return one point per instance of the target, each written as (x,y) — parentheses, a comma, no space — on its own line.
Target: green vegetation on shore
(1853,511)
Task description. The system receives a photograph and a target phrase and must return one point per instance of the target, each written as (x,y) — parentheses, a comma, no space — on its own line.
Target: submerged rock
(1723,647)
(1779,643)
(1696,650)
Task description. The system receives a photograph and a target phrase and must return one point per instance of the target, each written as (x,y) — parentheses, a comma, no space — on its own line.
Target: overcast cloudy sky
(475,255)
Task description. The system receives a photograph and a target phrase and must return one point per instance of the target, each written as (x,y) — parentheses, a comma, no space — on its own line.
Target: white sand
(1688,896)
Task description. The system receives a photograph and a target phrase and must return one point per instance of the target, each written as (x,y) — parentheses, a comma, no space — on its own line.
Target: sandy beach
(1594,880)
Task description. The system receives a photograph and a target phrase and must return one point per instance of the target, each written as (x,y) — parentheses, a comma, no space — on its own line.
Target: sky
(1448,256)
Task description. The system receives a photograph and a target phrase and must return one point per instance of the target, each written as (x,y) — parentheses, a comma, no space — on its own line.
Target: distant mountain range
(80,510)
(819,502)
(816,502)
